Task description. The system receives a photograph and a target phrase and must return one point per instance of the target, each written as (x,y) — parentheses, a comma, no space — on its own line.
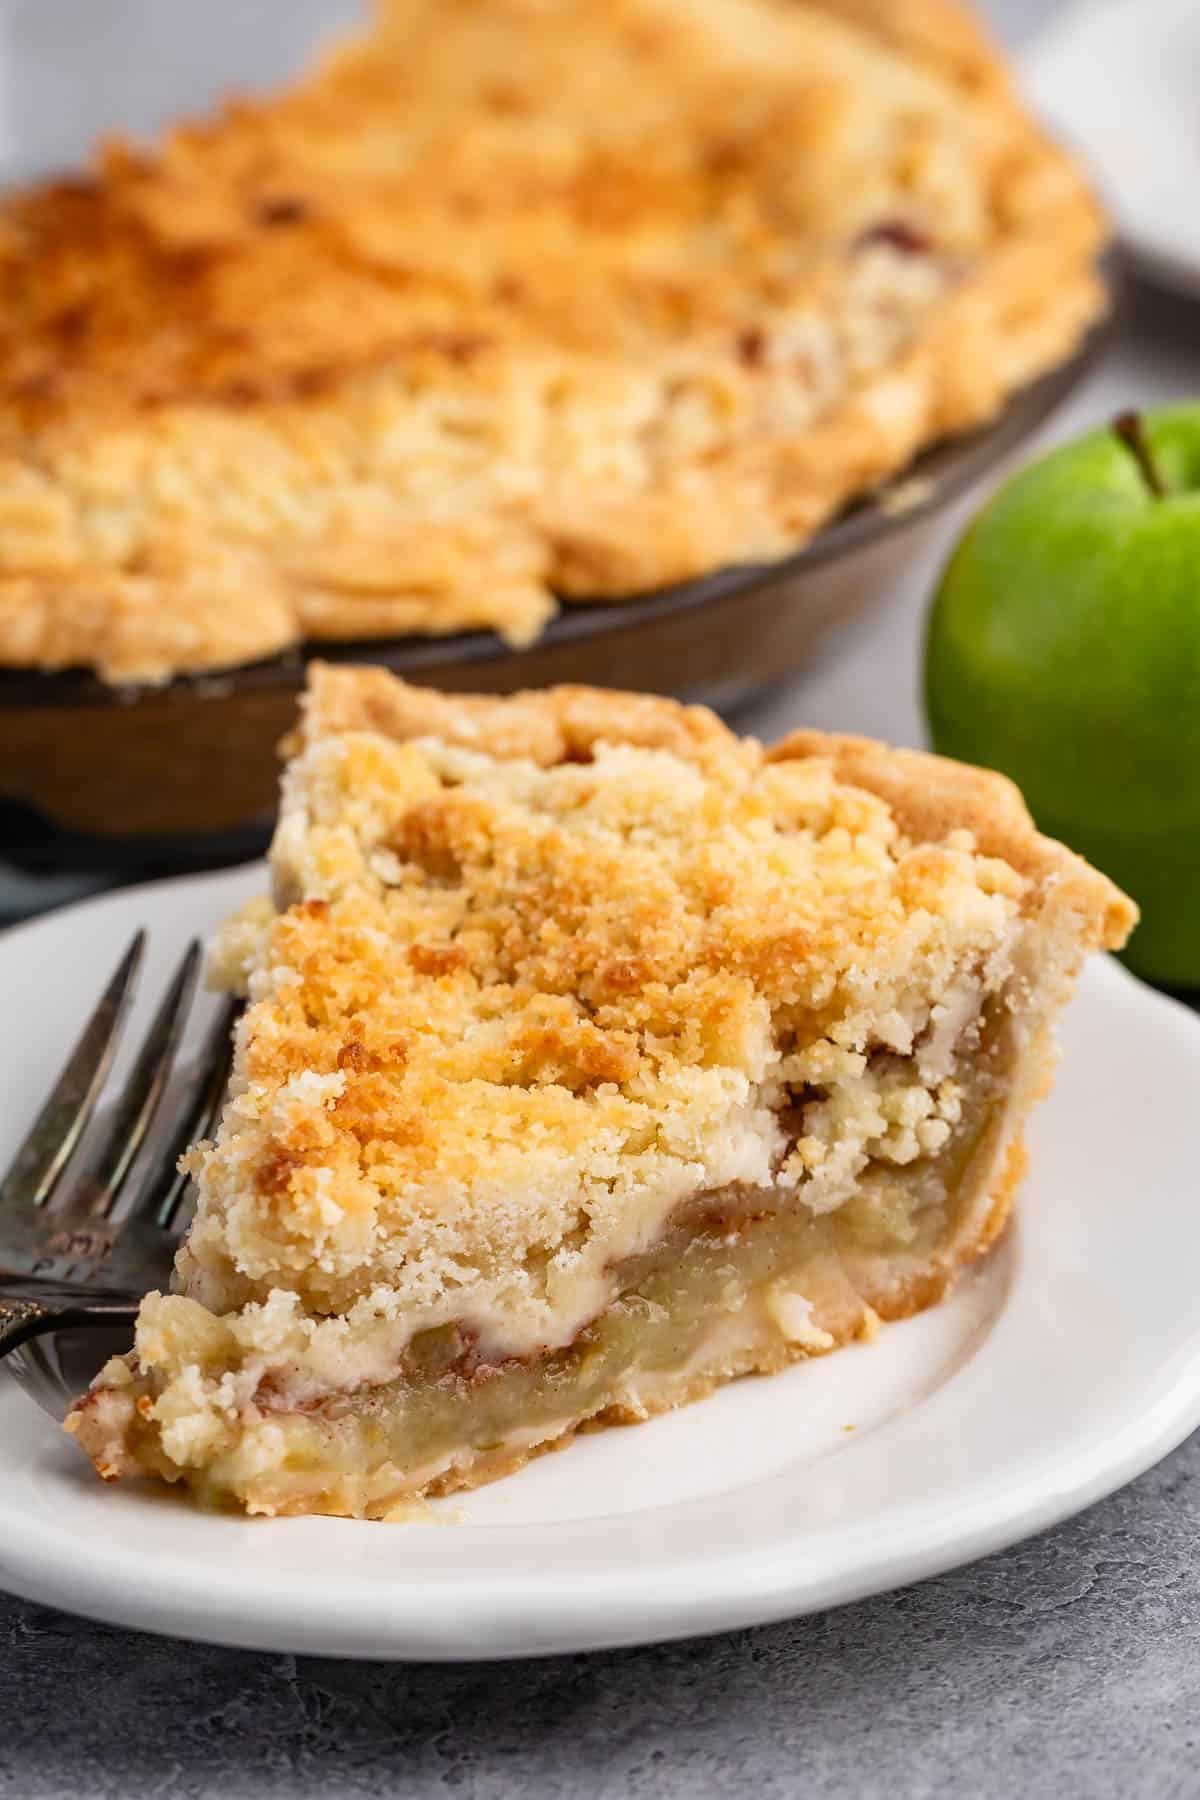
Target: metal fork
(85,1232)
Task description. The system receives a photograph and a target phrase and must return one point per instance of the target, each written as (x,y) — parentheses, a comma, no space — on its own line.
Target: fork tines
(45,1180)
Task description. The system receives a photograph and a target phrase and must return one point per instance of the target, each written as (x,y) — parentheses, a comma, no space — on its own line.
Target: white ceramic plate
(1121,79)
(1063,1368)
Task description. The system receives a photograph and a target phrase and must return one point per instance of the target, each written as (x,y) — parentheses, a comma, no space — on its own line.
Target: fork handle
(28,1316)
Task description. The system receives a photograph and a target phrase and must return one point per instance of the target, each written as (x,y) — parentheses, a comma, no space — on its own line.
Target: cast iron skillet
(123,779)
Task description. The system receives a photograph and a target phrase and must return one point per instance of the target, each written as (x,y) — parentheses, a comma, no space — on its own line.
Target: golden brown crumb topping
(547,967)
(599,176)
(510,297)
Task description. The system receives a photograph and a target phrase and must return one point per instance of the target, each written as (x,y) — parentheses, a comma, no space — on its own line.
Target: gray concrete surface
(1069,1666)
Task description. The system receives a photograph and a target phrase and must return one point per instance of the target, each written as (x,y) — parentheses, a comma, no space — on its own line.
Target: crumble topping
(592,1056)
(516,1010)
(507,301)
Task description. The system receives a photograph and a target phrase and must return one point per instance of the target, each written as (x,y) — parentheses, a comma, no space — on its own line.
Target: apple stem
(1128,427)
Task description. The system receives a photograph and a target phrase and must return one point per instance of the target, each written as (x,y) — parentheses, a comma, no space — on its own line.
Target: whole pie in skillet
(593,1057)
(511,300)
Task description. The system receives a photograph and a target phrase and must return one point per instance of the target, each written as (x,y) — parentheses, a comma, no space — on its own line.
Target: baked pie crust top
(510,299)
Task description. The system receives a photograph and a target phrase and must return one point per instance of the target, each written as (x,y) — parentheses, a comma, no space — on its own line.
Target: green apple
(1064,649)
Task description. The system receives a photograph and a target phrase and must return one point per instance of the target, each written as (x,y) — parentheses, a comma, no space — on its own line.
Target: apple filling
(743,1279)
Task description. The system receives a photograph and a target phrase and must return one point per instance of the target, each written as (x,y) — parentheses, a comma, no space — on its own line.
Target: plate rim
(742,1589)
(513,1614)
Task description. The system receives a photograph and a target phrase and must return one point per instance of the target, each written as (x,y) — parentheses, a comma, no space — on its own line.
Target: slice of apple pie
(593,1057)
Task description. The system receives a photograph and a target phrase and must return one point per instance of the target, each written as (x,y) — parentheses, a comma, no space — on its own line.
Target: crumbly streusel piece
(592,1056)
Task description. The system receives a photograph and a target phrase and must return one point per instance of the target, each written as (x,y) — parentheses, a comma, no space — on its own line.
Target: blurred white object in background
(1121,79)
(71,70)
